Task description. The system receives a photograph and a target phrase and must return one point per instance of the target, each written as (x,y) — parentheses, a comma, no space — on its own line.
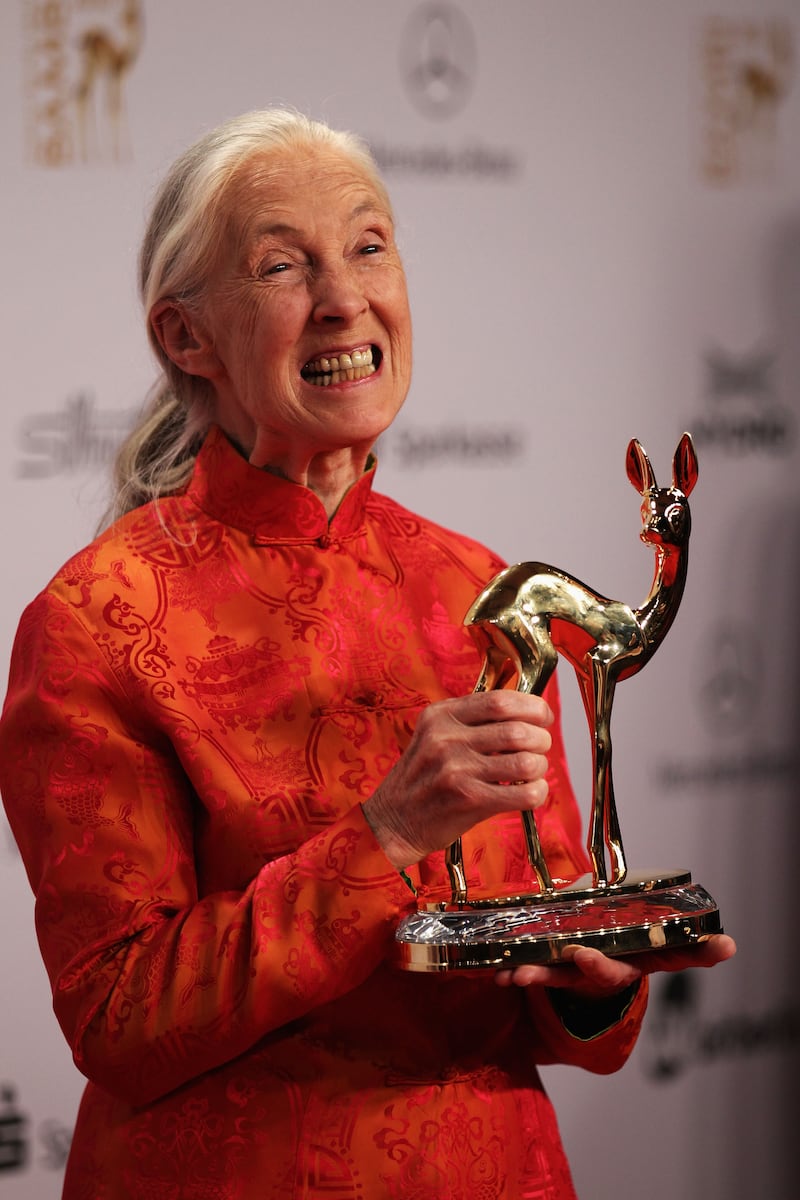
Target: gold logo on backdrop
(78,58)
(747,69)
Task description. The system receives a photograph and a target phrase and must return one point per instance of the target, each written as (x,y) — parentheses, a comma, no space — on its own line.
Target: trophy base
(646,912)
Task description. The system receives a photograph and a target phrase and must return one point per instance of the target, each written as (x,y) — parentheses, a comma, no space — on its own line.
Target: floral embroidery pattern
(198,704)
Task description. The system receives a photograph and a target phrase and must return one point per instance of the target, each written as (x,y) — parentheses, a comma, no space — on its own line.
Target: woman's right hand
(455,773)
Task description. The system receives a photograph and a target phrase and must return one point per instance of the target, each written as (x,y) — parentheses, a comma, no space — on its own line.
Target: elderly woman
(240,730)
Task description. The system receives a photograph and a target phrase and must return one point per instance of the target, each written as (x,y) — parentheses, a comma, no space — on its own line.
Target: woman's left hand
(590,973)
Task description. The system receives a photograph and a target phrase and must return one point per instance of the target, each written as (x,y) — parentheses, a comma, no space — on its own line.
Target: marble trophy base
(646,912)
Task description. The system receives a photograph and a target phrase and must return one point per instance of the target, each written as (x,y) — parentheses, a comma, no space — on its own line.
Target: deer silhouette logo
(531,612)
(105,61)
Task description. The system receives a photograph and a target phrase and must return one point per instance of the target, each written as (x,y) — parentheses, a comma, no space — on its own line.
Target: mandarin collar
(226,487)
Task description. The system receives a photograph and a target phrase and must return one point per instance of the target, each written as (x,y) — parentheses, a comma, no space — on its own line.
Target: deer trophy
(531,612)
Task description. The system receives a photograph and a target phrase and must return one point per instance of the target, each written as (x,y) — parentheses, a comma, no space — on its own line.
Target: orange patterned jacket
(198,704)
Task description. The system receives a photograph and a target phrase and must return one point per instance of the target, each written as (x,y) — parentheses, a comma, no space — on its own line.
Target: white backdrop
(599,206)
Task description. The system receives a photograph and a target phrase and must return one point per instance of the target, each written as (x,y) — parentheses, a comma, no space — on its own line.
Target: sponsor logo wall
(598,208)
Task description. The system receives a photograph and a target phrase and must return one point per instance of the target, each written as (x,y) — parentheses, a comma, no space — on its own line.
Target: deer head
(666,520)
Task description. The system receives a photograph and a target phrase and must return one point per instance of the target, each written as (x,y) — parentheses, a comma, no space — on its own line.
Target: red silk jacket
(198,704)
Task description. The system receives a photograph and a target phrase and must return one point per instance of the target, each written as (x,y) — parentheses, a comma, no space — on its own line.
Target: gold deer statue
(530,613)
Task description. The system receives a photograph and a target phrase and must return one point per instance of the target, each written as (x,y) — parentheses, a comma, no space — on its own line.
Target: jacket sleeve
(603,1050)
(154,984)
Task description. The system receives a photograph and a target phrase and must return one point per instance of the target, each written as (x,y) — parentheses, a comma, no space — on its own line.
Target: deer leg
(604,831)
(613,835)
(528,653)
(595,844)
(535,853)
(538,659)
(497,669)
(454,861)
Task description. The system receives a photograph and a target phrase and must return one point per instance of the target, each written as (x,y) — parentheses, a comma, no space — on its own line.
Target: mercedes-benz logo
(438,59)
(731,683)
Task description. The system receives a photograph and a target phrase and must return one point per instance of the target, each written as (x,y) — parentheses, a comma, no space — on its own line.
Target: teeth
(357,364)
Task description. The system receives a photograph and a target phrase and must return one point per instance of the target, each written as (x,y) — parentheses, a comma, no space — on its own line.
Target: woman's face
(308,276)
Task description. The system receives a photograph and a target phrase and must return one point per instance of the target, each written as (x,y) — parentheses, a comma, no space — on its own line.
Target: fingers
(589,972)
(480,708)
(506,730)
(512,738)
(583,970)
(707,953)
(456,770)
(490,739)
(718,948)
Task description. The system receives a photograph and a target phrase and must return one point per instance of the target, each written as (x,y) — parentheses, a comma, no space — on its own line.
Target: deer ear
(638,467)
(684,466)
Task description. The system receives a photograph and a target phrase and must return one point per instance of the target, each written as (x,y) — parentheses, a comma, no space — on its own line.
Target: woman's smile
(342,366)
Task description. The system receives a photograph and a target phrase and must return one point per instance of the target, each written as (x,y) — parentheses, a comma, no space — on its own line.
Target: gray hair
(176,257)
